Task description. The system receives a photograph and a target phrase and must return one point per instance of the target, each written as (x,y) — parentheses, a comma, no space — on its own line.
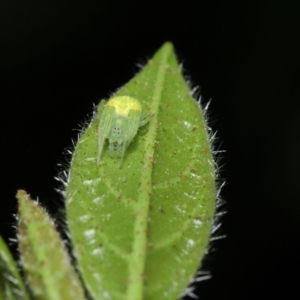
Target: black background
(59,58)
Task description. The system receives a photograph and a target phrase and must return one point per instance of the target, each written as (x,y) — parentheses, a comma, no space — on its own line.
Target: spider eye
(117,131)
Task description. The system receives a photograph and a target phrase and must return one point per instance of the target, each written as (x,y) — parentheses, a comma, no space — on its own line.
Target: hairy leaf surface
(11,285)
(44,258)
(140,231)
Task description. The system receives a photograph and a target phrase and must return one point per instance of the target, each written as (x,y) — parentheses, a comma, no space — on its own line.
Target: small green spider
(119,120)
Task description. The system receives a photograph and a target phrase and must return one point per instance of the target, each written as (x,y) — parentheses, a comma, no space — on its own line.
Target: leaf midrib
(135,288)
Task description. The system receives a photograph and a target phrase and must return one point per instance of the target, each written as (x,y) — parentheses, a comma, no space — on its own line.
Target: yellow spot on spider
(124,104)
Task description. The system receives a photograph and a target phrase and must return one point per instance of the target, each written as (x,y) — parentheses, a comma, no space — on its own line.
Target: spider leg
(130,130)
(101,107)
(145,118)
(124,146)
(133,122)
(106,115)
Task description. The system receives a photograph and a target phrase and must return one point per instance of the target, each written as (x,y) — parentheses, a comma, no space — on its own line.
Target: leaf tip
(22,195)
(167,46)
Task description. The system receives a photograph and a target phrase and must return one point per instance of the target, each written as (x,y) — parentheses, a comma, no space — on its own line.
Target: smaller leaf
(11,285)
(44,258)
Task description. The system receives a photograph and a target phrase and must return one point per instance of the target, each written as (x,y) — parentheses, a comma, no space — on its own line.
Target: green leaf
(43,255)
(139,231)
(11,285)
